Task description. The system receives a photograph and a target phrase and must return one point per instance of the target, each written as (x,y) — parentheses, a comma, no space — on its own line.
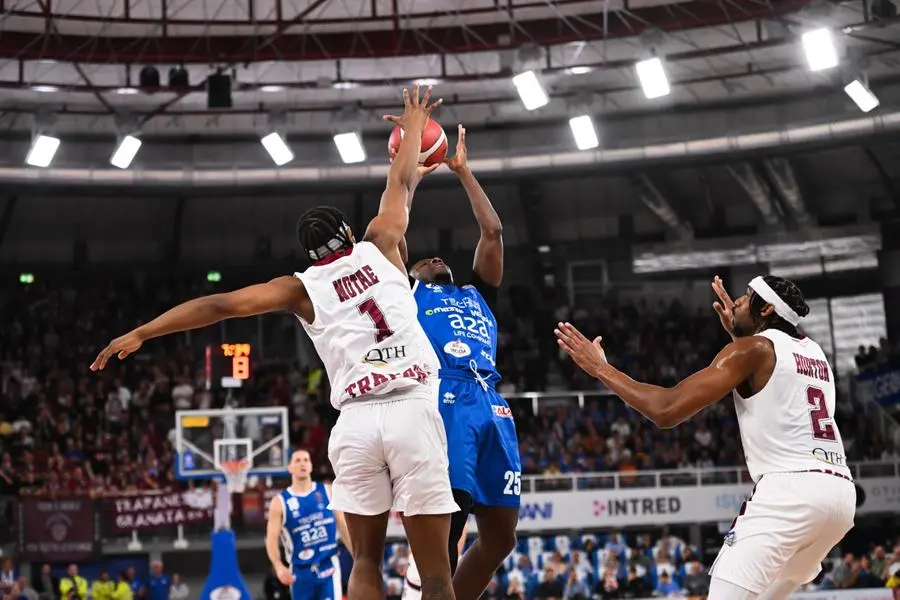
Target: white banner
(545,511)
(861,594)
(878,495)
(601,509)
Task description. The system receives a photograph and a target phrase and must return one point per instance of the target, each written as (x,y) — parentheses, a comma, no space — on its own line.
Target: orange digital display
(240,359)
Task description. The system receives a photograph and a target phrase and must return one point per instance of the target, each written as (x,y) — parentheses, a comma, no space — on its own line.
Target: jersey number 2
(822,423)
(370,307)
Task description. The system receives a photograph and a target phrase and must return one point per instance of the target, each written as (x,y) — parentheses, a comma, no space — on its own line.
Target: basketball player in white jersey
(804,499)
(388,448)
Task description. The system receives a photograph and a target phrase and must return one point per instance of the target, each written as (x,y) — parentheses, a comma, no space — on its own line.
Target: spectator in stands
(124,590)
(665,586)
(635,586)
(73,586)
(179,589)
(894,578)
(492,591)
(608,586)
(864,577)
(696,582)
(576,588)
(26,592)
(550,586)
(516,589)
(841,576)
(46,585)
(158,584)
(7,576)
(104,587)
(137,589)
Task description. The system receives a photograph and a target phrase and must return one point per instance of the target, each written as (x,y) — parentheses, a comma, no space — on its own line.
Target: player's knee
(500,543)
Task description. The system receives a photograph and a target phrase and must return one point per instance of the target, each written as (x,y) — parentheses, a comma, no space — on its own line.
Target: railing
(676,477)
(558,397)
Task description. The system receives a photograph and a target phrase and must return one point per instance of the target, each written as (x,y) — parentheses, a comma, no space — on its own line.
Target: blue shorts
(481,442)
(320,583)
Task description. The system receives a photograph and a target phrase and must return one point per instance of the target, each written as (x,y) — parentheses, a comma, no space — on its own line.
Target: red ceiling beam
(365,44)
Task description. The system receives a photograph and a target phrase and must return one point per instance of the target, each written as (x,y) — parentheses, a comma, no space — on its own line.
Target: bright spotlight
(125,152)
(42,151)
(350,147)
(653,78)
(820,51)
(530,90)
(861,95)
(584,133)
(277,149)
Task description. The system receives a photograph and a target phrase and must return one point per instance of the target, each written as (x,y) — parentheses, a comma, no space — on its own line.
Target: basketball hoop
(235,472)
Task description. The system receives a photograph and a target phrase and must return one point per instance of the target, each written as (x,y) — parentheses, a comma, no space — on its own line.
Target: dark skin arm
(488,263)
(746,358)
(389,225)
(280,294)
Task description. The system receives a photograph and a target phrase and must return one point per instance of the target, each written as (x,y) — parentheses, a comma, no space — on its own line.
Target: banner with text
(882,386)
(57,530)
(125,514)
(600,509)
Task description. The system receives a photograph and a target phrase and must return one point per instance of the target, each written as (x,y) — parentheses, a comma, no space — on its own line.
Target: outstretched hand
(121,347)
(415,111)
(459,161)
(724,307)
(588,355)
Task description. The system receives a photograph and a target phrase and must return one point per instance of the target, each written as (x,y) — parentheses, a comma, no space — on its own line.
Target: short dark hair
(322,231)
(788,291)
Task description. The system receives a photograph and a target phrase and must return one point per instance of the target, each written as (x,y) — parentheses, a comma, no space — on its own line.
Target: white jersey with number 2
(366,328)
(788,426)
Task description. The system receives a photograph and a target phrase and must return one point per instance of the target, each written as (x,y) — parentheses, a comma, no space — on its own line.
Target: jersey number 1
(822,426)
(370,307)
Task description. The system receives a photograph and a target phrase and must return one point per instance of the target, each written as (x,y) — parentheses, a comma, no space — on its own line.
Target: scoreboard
(227,365)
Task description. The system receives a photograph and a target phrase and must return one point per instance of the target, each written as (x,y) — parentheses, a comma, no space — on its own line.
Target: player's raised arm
(667,407)
(280,294)
(488,264)
(389,226)
(273,533)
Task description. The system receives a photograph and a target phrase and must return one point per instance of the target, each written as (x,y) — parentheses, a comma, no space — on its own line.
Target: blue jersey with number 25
(461,327)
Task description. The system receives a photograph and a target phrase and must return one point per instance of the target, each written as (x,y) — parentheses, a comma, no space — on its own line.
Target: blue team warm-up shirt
(481,435)
(309,537)
(158,587)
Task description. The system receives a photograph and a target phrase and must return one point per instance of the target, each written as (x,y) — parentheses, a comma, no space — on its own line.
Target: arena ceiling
(314,67)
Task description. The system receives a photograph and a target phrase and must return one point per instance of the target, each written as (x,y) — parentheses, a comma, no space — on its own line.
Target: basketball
(434,143)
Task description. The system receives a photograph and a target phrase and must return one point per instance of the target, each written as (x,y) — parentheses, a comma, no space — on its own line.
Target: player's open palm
(588,355)
(121,347)
(460,160)
(415,110)
(724,306)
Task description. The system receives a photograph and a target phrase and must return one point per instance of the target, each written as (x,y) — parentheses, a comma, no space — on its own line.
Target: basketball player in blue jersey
(483,449)
(300,520)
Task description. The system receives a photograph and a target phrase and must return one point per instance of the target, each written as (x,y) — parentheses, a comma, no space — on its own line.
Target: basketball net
(235,473)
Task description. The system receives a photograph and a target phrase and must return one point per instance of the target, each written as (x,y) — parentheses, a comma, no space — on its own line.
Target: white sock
(412,579)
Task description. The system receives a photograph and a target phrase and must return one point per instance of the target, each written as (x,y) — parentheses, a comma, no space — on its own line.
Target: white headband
(764,291)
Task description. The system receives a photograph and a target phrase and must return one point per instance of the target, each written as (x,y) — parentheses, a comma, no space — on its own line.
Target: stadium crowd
(66,430)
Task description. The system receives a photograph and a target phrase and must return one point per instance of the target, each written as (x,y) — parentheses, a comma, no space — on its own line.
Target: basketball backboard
(204,439)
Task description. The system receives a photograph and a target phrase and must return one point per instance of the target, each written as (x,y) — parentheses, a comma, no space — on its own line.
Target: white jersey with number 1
(788,426)
(366,328)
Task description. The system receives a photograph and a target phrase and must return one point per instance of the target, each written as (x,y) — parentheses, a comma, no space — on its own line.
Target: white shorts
(391,456)
(785,529)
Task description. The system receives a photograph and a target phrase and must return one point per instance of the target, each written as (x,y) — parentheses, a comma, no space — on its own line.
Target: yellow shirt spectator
(103,589)
(73,585)
(123,591)
(893,582)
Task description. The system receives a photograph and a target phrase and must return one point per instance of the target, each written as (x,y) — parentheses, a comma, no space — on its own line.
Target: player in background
(301,522)
(804,500)
(388,448)
(485,469)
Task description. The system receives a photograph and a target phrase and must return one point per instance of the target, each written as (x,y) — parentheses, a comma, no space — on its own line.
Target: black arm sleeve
(487,291)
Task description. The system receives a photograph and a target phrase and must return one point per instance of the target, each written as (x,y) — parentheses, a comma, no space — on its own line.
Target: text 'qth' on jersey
(366,329)
(789,424)
(460,326)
